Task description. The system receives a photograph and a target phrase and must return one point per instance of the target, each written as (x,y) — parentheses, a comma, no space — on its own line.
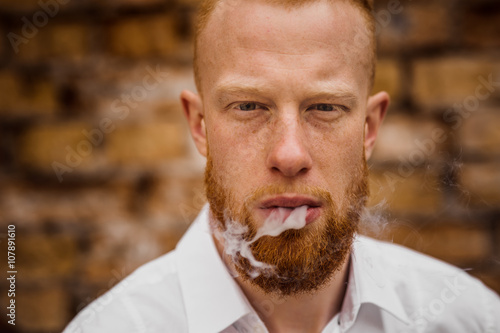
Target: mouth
(287,203)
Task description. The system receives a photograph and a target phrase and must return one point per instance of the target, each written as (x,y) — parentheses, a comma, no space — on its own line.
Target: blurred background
(98,173)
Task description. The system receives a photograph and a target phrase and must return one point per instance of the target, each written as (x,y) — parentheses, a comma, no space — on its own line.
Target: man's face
(284,111)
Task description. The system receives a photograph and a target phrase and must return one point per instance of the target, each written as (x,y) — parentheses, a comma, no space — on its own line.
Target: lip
(291,201)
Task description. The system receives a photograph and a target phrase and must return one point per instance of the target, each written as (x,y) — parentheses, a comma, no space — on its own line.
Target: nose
(289,153)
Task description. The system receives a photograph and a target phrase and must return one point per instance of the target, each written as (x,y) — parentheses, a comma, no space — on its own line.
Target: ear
(376,109)
(193,110)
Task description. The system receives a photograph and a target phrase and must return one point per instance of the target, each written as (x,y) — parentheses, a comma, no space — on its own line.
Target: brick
(412,192)
(11,87)
(409,140)
(151,36)
(480,184)
(65,143)
(30,48)
(456,244)
(34,208)
(31,45)
(39,99)
(146,144)
(412,25)
(46,256)
(42,309)
(42,98)
(479,135)
(480,25)
(62,41)
(22,5)
(444,81)
(26,49)
(69,40)
(20,97)
(179,198)
(388,78)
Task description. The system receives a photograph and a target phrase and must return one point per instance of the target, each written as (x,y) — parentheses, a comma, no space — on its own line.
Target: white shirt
(390,289)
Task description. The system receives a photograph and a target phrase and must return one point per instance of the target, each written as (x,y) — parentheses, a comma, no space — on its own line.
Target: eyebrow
(329,90)
(345,96)
(326,90)
(240,88)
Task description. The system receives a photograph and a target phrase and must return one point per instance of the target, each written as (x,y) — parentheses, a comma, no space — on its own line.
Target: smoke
(374,220)
(235,243)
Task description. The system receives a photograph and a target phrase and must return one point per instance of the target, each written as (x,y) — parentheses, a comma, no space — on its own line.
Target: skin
(279,103)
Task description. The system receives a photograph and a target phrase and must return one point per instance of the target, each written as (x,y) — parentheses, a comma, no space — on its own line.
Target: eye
(324,107)
(328,107)
(247,106)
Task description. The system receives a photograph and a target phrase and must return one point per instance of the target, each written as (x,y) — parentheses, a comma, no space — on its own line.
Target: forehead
(252,38)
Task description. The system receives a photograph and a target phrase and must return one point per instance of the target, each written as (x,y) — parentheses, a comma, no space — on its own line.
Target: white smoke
(275,224)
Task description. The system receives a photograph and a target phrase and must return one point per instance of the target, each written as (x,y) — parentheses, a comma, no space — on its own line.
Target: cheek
(338,156)
(235,153)
(342,144)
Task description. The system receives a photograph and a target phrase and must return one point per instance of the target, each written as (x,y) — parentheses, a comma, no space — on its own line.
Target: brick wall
(99,175)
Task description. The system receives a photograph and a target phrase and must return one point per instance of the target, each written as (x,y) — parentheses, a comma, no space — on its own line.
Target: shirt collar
(212,298)
(368,284)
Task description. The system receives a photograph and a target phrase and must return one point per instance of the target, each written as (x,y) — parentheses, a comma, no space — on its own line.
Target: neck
(297,313)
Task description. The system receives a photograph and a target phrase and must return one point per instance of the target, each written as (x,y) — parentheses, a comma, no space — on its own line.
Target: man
(284,117)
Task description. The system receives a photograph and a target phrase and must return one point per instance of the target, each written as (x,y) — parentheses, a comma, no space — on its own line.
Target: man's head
(285,119)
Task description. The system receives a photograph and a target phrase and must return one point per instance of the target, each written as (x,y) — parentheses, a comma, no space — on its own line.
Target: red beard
(304,259)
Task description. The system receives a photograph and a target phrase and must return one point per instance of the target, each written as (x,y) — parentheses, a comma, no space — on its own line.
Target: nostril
(303,170)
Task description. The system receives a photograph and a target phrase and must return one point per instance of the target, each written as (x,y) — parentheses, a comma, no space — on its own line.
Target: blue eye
(247,106)
(324,107)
